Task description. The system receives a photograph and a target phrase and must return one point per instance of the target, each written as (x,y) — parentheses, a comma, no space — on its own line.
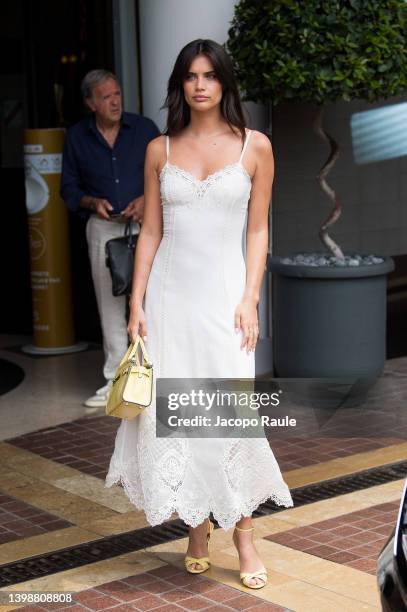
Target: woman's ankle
(201,527)
(243,538)
(199,533)
(244,524)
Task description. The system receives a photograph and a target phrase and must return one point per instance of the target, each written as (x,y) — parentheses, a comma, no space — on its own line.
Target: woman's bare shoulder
(155,152)
(261,143)
(157,145)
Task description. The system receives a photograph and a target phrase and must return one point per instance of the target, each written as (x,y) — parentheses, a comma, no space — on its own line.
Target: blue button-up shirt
(91,167)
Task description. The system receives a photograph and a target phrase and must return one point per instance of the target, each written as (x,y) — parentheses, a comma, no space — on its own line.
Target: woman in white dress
(204,180)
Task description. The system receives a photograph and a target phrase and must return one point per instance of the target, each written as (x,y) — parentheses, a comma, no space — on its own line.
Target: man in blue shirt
(103,178)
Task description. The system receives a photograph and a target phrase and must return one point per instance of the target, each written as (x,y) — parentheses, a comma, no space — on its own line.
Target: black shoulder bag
(120,260)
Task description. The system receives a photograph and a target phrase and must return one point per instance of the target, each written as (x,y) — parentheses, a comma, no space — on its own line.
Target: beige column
(52,310)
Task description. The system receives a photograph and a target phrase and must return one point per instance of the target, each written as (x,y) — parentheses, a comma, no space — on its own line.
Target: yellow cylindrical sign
(48,242)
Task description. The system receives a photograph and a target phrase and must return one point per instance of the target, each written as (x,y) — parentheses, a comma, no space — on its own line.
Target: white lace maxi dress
(196,281)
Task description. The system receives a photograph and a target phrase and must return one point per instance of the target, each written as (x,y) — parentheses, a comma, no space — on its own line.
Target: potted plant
(329,308)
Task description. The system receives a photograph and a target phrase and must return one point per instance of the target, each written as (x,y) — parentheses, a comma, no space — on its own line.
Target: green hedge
(319,51)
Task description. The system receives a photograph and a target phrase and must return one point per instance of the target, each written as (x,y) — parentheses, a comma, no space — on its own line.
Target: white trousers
(112,310)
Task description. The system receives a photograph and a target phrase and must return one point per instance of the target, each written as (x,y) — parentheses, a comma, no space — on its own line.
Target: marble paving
(321,557)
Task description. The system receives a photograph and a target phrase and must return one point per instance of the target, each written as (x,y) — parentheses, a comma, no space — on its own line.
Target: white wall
(125,52)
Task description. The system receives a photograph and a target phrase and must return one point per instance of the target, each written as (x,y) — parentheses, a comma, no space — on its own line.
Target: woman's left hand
(246,320)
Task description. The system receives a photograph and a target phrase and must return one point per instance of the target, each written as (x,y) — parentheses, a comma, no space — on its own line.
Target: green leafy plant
(320,51)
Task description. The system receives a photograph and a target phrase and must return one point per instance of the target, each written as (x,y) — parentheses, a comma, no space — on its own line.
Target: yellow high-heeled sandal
(203,561)
(246,576)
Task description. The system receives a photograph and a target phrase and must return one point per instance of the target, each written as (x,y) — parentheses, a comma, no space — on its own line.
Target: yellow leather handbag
(132,386)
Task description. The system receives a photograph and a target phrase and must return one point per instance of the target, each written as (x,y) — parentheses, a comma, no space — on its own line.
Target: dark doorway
(46,49)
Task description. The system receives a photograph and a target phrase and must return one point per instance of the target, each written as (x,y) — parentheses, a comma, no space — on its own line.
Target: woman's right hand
(137,323)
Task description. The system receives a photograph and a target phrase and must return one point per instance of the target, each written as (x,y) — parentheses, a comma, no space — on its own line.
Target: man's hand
(102,207)
(98,205)
(135,210)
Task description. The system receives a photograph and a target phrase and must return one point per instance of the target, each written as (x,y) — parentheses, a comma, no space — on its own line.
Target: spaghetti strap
(246,140)
(167,145)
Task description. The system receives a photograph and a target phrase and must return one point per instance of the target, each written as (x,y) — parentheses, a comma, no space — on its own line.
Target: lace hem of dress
(195,516)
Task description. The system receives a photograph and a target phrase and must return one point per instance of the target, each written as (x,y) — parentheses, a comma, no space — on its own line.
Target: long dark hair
(179,114)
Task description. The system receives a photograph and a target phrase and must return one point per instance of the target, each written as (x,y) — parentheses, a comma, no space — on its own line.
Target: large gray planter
(330,321)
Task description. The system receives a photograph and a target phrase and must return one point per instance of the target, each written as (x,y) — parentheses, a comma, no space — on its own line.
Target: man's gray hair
(94,78)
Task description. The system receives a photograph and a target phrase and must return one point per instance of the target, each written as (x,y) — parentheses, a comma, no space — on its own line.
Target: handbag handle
(127,231)
(132,351)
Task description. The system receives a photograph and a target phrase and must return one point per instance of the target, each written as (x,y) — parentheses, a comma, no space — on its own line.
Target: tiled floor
(85,444)
(19,520)
(52,391)
(301,577)
(301,452)
(354,539)
(320,557)
(166,589)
